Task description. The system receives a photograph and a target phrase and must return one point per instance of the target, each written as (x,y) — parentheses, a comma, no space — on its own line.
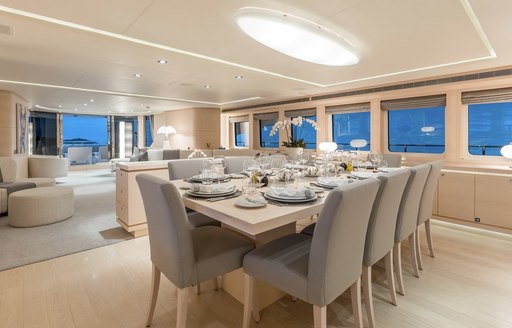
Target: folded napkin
(287,192)
(332,181)
(213,188)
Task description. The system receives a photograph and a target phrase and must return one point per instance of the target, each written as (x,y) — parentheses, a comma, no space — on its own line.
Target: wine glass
(378,158)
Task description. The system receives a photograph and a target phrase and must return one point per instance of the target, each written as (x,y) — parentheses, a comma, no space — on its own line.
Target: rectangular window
(351,126)
(267,141)
(306,132)
(241,134)
(489,128)
(148,123)
(417,130)
(84,131)
(416,125)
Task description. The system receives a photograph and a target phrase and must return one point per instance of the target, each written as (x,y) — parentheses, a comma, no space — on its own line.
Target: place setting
(290,195)
(212,192)
(331,182)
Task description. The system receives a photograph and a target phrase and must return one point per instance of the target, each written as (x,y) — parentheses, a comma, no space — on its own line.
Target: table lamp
(166,129)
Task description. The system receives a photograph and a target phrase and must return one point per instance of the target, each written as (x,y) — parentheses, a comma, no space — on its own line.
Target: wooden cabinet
(129,206)
(493,198)
(456,195)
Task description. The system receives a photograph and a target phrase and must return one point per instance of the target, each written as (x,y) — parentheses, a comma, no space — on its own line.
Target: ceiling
(60,54)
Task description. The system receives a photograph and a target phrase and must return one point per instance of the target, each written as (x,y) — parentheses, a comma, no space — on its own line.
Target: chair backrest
(336,256)
(170,242)
(235,164)
(171,154)
(184,168)
(380,235)
(394,160)
(407,220)
(427,198)
(9,169)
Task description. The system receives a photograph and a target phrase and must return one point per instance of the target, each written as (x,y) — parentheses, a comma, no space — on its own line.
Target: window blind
(487,96)
(361,107)
(416,102)
(238,119)
(300,112)
(266,116)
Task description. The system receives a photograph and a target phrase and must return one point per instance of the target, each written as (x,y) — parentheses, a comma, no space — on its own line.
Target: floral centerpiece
(293,141)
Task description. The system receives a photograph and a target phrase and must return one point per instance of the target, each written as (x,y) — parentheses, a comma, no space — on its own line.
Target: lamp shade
(358,143)
(166,129)
(328,146)
(506,151)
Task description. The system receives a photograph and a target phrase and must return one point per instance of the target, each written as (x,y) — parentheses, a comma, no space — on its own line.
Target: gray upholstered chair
(186,257)
(407,221)
(235,164)
(380,236)
(185,168)
(425,212)
(318,269)
(394,160)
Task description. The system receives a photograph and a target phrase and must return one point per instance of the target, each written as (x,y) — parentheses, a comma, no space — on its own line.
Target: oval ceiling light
(296,37)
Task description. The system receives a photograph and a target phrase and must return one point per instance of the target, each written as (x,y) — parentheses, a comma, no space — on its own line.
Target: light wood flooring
(468,284)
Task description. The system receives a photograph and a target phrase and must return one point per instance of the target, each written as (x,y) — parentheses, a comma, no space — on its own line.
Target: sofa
(16,169)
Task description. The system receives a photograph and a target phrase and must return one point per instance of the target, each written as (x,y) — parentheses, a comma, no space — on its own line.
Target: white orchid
(286,125)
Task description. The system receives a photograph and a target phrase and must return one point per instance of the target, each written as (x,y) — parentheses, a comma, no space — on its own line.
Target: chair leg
(367,293)
(390,276)
(429,238)
(412,251)
(355,293)
(155,284)
(181,320)
(320,316)
(418,248)
(397,262)
(249,304)
(215,283)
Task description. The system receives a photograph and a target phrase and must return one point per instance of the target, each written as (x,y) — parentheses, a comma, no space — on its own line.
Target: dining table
(261,224)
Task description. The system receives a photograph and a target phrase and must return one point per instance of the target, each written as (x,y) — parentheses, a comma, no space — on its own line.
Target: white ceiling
(66,52)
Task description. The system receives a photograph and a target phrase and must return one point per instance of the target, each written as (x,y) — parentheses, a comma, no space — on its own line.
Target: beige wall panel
(195,127)
(493,197)
(456,193)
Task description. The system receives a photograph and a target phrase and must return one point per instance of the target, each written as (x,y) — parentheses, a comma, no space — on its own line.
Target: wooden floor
(468,284)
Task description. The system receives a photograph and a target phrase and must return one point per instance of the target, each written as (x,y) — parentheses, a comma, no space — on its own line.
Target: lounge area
(256,164)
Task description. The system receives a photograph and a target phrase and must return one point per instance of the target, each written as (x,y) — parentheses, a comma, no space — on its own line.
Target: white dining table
(261,224)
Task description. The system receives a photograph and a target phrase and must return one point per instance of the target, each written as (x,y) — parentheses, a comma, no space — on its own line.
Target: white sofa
(15,169)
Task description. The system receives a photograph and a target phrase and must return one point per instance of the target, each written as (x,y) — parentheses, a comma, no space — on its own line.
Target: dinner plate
(364,175)
(243,202)
(290,200)
(388,169)
(323,185)
(209,195)
(237,176)
(197,178)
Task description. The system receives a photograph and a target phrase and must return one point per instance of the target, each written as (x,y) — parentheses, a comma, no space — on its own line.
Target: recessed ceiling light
(162,61)
(60,106)
(137,75)
(85,104)
(239,77)
(207,86)
(76,109)
(92,100)
(296,37)
(110,111)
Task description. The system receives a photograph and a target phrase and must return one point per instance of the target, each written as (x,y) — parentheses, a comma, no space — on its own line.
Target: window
(416,125)
(84,131)
(489,120)
(241,134)
(489,128)
(267,141)
(148,123)
(266,121)
(44,133)
(350,126)
(306,132)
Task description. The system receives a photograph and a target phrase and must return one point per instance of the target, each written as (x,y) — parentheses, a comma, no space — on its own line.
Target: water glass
(207,176)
